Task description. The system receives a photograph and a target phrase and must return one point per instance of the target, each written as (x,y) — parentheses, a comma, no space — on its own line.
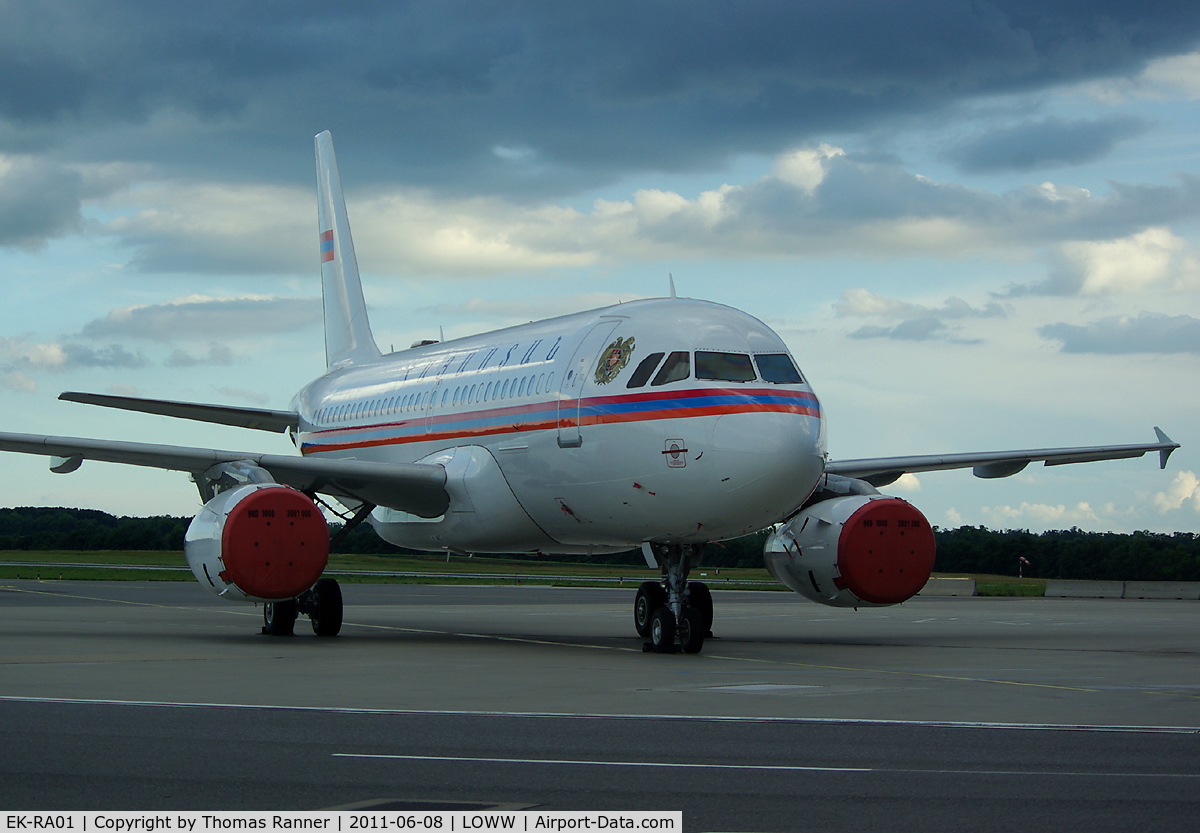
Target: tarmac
(947,713)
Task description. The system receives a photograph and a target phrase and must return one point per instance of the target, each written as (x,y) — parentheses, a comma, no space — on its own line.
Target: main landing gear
(322,604)
(676,614)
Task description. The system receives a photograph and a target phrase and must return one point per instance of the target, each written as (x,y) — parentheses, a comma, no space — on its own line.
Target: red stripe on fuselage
(554,423)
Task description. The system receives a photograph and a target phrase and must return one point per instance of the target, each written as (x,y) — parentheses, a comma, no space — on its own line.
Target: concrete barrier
(948,587)
(1085,589)
(1162,590)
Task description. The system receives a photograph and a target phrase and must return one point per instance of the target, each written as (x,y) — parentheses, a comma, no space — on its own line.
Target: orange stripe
(543,425)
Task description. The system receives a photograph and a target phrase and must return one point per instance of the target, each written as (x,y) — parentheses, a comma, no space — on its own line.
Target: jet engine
(258,541)
(858,550)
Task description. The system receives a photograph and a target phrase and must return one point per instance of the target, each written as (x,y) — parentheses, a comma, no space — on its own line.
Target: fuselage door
(570,392)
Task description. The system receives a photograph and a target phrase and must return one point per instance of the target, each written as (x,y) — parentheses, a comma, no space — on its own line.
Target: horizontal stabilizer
(260,419)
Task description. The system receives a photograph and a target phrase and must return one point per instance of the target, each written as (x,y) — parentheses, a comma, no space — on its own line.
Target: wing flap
(417,488)
(260,419)
(991,464)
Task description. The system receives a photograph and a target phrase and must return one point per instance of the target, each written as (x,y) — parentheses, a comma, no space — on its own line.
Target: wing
(260,419)
(416,488)
(880,471)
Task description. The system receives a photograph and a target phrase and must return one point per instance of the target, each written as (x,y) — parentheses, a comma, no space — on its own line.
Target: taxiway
(991,714)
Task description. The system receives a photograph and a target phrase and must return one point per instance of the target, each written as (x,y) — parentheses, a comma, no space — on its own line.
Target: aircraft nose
(767,459)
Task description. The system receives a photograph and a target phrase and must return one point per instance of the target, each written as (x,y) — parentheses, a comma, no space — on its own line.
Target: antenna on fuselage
(671,281)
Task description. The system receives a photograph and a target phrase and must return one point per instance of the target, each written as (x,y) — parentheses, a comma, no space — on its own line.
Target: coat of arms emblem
(613,360)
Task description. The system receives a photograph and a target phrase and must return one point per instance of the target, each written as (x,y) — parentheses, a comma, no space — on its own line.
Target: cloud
(805,168)
(429,89)
(1185,488)
(414,233)
(815,202)
(218,354)
(254,397)
(1151,258)
(520,310)
(200,317)
(38,200)
(1163,79)
(1047,143)
(918,322)
(1177,73)
(914,329)
(863,302)
(1041,513)
(114,355)
(20,357)
(216,228)
(867,206)
(1147,333)
(16,380)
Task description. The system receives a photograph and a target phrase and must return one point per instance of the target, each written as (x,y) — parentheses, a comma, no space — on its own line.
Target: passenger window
(677,366)
(778,368)
(521,392)
(724,367)
(641,375)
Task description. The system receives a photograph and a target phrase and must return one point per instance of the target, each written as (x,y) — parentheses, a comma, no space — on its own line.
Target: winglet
(348,338)
(1164,453)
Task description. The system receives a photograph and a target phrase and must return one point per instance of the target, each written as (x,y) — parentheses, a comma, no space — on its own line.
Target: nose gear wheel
(673,613)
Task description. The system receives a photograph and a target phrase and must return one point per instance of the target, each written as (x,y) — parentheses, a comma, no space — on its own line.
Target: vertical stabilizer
(348,338)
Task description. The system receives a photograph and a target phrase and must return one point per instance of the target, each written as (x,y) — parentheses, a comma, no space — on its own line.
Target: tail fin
(348,338)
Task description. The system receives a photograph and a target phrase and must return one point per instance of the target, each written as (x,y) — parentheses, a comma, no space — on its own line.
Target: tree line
(1060,554)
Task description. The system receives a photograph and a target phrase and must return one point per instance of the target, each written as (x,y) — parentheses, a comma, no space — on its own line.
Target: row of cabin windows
(530,385)
(776,368)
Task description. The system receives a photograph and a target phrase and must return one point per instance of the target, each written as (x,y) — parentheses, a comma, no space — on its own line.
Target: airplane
(659,424)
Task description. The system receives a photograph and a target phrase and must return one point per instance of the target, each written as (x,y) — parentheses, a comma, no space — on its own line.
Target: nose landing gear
(674,614)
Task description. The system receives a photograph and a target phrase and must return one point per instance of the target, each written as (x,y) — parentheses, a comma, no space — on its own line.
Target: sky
(976,225)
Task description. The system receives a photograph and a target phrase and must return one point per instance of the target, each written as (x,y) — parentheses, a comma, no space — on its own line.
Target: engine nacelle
(258,542)
(860,550)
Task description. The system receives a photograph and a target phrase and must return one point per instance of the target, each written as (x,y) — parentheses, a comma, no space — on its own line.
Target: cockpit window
(642,374)
(778,368)
(677,366)
(726,367)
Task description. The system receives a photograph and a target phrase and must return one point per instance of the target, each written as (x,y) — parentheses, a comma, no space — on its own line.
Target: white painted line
(1023,773)
(560,761)
(710,718)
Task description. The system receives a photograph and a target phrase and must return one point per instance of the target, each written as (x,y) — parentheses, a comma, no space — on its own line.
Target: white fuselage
(547,447)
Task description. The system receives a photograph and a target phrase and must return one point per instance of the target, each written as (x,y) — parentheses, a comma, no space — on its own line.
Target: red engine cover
(275,544)
(885,551)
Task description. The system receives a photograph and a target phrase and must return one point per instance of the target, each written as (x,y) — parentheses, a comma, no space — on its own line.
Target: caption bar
(337,821)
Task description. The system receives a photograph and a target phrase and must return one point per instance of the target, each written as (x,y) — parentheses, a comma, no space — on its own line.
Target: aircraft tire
(279,618)
(327,619)
(662,631)
(691,631)
(700,599)
(650,597)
